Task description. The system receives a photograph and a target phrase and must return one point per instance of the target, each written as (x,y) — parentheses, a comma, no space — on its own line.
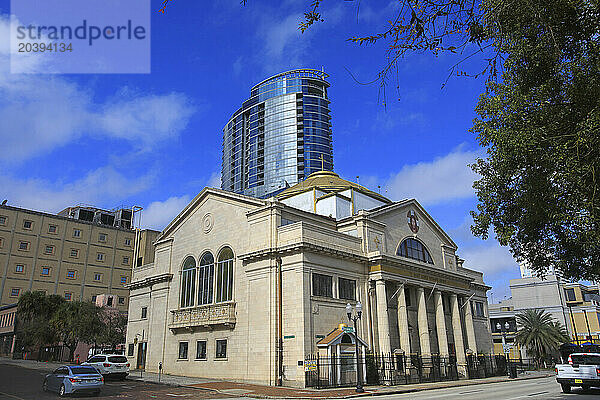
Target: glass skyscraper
(279,136)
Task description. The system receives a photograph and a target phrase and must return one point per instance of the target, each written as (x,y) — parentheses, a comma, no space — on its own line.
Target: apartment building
(79,254)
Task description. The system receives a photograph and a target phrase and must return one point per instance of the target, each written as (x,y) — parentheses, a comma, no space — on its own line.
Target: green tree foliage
(75,322)
(34,311)
(114,328)
(540,183)
(539,333)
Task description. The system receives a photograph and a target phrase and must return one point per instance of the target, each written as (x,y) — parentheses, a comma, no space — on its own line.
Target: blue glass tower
(279,136)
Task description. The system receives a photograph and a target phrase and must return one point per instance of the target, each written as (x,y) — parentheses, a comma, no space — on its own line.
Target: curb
(381,393)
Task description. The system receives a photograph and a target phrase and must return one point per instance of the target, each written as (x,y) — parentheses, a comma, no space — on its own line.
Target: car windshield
(117,359)
(585,359)
(83,370)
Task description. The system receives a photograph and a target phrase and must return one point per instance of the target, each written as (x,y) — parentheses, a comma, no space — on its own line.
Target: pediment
(409,218)
(196,203)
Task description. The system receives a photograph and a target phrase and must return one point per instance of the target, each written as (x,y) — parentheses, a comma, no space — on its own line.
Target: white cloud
(41,112)
(490,259)
(443,179)
(215,180)
(158,214)
(101,186)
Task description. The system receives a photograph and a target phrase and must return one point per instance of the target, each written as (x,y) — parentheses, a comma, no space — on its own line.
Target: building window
(570,293)
(94,297)
(1,242)
(130,349)
(225,275)
(68,296)
(322,285)
(74,253)
(2,220)
(183,350)
(221,348)
(479,309)
(109,301)
(125,260)
(27,225)
(71,274)
(144,312)
(100,257)
(412,248)
(206,274)
(347,289)
(123,279)
(20,268)
(52,228)
(23,245)
(188,282)
(76,233)
(121,300)
(127,242)
(201,350)
(45,271)
(49,249)
(97,277)
(14,292)
(102,237)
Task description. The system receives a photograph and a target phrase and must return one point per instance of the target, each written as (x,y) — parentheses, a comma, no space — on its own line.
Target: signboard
(348,329)
(507,348)
(310,365)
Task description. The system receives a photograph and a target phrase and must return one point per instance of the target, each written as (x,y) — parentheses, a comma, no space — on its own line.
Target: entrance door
(141,356)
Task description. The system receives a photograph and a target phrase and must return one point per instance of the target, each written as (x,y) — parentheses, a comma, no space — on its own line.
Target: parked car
(109,365)
(73,379)
(583,369)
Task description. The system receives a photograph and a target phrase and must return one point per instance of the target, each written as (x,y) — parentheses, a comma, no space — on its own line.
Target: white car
(583,369)
(109,365)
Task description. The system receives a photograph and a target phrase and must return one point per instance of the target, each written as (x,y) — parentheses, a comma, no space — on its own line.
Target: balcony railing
(203,316)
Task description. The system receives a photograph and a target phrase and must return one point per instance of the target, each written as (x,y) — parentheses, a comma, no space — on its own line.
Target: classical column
(440,323)
(383,326)
(470,327)
(423,325)
(461,359)
(486,314)
(403,322)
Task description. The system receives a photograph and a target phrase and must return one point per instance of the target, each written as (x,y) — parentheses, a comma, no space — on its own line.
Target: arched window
(206,274)
(188,282)
(224,275)
(414,249)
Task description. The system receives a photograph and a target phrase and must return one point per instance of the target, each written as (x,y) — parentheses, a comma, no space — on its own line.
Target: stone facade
(293,272)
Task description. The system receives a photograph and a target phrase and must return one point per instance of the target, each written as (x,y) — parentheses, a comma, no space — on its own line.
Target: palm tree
(539,333)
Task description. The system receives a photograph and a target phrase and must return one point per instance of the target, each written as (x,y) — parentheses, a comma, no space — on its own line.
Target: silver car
(74,379)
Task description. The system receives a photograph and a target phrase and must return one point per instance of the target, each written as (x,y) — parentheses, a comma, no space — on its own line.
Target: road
(532,389)
(18,383)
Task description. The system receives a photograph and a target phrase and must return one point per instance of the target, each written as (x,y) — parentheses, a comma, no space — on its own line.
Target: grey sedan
(74,378)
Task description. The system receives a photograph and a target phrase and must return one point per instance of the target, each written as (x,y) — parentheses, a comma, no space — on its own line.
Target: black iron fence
(378,369)
(400,369)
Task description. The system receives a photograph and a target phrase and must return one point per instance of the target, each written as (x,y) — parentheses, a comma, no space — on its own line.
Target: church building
(246,289)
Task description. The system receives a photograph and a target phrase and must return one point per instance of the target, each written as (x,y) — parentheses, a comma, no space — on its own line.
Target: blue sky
(155,139)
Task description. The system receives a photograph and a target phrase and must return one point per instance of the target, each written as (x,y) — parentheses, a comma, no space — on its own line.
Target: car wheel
(566,388)
(63,391)
(45,385)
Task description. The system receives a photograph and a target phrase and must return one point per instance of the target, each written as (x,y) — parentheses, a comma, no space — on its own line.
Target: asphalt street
(18,383)
(532,389)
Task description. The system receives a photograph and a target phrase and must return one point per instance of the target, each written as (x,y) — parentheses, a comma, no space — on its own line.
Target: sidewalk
(276,392)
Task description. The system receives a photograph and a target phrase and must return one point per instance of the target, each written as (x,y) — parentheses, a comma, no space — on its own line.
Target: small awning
(337,335)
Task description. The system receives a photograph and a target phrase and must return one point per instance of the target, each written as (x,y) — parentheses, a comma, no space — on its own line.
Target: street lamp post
(503,329)
(354,318)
